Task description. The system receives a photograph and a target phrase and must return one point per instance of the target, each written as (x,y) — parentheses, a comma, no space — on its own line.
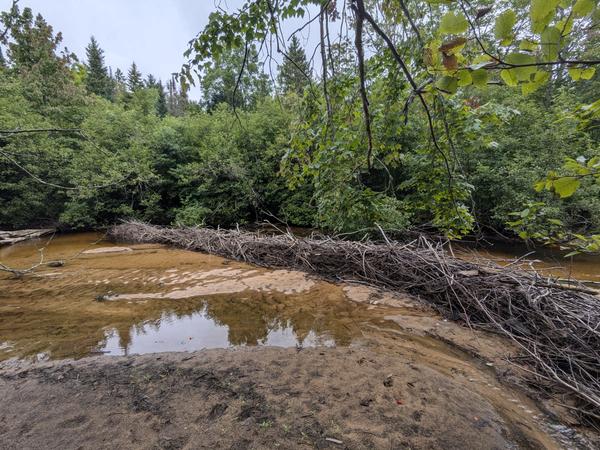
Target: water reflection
(229,321)
(198,331)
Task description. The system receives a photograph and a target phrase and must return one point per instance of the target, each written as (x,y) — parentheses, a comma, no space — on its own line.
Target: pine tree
(35,54)
(2,60)
(161,103)
(134,78)
(151,81)
(176,98)
(119,85)
(97,80)
(221,82)
(295,71)
(119,77)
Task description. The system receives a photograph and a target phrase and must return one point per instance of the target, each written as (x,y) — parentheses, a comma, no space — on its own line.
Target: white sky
(154,33)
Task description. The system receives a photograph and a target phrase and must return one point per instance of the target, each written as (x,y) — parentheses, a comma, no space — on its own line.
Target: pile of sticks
(557,328)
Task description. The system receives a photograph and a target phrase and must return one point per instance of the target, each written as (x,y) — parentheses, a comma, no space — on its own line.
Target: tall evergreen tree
(119,77)
(134,78)
(161,103)
(119,84)
(294,73)
(151,81)
(97,80)
(34,54)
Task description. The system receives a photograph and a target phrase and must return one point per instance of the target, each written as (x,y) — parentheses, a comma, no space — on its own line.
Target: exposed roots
(558,329)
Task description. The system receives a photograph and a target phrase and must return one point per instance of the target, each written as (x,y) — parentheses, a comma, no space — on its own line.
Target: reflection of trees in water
(251,317)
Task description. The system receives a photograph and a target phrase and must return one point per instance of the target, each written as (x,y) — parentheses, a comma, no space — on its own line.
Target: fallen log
(13,237)
(557,329)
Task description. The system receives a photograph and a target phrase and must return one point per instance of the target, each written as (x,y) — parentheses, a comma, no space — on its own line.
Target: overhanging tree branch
(358,7)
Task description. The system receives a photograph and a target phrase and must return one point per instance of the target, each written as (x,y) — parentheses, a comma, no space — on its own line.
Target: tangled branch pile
(558,329)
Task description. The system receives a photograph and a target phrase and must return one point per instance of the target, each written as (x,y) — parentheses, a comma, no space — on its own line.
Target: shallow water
(154,299)
(148,298)
(546,261)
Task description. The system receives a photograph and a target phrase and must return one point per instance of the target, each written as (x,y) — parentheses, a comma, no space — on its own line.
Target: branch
(501,64)
(419,94)
(280,51)
(35,177)
(324,64)
(40,130)
(412,23)
(359,12)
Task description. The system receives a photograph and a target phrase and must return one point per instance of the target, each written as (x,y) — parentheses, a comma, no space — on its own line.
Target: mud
(255,398)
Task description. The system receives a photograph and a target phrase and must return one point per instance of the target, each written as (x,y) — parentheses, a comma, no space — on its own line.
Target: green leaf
(566,186)
(539,186)
(464,78)
(575,73)
(565,26)
(479,77)
(583,7)
(587,74)
(509,77)
(453,23)
(542,13)
(447,84)
(503,29)
(550,42)
(528,46)
(522,73)
(536,82)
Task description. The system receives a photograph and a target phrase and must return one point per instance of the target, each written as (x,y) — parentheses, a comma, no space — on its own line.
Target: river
(143,299)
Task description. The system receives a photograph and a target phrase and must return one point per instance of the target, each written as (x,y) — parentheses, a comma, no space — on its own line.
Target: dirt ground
(249,398)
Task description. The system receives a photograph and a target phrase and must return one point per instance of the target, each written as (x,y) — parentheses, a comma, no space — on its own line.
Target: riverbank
(260,398)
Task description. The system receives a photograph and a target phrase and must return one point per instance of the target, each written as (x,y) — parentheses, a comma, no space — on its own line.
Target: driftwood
(13,237)
(557,329)
(21,272)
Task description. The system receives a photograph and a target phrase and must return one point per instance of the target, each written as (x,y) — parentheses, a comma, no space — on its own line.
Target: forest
(334,137)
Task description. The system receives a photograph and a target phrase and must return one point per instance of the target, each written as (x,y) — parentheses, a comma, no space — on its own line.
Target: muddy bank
(257,398)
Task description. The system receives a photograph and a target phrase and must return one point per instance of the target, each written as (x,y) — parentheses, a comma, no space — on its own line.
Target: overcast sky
(154,33)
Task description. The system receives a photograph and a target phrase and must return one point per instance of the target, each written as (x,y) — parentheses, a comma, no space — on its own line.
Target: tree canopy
(464,118)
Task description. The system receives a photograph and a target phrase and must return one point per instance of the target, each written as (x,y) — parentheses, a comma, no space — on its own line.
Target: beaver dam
(281,355)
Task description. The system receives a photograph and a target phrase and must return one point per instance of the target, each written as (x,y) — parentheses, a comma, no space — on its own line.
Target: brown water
(544,260)
(154,299)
